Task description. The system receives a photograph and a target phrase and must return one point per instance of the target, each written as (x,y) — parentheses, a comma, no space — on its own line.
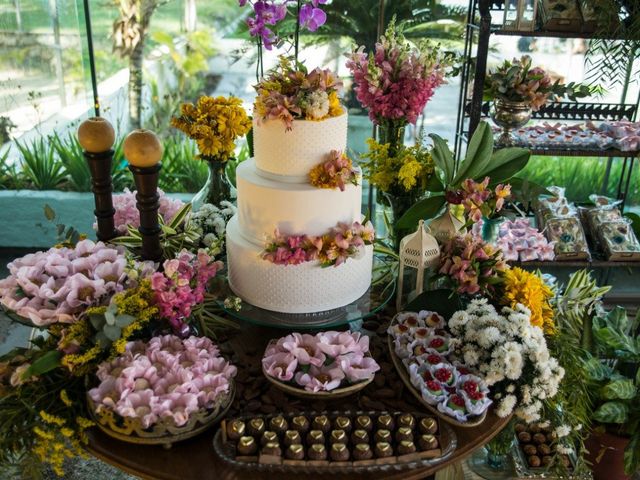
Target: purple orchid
(311,17)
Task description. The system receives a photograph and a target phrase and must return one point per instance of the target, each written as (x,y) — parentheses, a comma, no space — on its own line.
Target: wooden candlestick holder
(148,203)
(100,168)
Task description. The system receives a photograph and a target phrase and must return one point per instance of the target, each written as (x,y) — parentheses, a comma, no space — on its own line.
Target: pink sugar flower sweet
(320,379)
(334,344)
(305,349)
(281,366)
(357,367)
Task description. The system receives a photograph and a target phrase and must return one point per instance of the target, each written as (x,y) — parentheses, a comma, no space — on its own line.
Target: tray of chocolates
(344,442)
(537,451)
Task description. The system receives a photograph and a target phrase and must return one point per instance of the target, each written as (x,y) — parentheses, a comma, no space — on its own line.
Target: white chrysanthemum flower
(564,450)
(317,105)
(563,431)
(505,407)
(511,388)
(489,336)
(513,364)
(471,356)
(209,239)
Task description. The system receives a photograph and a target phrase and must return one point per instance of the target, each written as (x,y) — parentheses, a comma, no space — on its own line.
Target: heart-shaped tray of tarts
(340,442)
(432,340)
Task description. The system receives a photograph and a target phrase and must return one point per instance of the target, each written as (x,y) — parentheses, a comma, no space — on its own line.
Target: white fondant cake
(293,153)
(304,288)
(274,192)
(293,208)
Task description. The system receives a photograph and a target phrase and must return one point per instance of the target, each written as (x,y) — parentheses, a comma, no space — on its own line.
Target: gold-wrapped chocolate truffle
(428,425)
(271,448)
(363,422)
(315,436)
(339,452)
(406,420)
(235,429)
(256,427)
(386,422)
(292,437)
(321,422)
(383,449)
(362,451)
(404,433)
(300,423)
(278,424)
(359,436)
(427,442)
(382,435)
(405,447)
(317,452)
(247,446)
(269,437)
(342,423)
(338,436)
(295,452)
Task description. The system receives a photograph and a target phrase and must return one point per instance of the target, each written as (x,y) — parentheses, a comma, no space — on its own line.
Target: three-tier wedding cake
(275,194)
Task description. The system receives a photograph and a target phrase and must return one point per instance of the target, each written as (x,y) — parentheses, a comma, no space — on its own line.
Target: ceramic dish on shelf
(472,420)
(165,432)
(274,456)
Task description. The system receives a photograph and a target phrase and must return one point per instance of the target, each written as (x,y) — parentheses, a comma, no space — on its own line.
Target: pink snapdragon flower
(396,81)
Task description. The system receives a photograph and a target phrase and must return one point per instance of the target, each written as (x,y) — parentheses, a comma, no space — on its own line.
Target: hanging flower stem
(297,34)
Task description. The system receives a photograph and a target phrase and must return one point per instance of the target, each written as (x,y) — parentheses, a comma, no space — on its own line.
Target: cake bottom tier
(304,288)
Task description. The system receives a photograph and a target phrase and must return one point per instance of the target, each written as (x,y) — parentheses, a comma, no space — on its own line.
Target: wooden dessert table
(195,459)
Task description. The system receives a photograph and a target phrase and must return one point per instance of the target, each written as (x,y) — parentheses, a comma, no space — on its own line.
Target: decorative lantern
(418,250)
(446,226)
(520,15)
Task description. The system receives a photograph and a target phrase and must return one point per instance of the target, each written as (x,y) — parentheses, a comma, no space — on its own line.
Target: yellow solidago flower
(527,288)
(65,398)
(51,419)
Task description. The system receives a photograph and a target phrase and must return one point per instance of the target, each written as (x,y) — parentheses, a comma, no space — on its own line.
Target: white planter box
(22,220)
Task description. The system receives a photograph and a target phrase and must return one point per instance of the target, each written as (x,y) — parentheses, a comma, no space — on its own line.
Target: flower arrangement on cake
(290,92)
(517,81)
(336,172)
(324,362)
(333,249)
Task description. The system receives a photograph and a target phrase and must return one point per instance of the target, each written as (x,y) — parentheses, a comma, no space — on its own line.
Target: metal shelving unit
(472,107)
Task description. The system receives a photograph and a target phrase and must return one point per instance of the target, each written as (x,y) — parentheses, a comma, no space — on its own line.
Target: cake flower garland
(290,92)
(333,249)
(336,172)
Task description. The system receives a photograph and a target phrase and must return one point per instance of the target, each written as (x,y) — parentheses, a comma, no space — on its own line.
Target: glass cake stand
(352,314)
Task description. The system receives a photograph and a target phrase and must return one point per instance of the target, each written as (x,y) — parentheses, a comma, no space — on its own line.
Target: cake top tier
(289,155)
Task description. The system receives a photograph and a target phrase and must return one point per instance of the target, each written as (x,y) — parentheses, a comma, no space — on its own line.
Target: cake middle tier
(293,208)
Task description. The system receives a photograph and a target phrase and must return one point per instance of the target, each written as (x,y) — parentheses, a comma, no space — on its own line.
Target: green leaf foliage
(632,455)
(443,158)
(619,390)
(426,208)
(478,156)
(44,364)
(505,163)
(612,412)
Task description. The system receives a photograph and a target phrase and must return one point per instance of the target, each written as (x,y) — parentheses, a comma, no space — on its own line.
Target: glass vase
(392,132)
(217,187)
(491,229)
(493,461)
(398,206)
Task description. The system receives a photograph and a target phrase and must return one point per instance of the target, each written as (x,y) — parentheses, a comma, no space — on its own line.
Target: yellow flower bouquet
(215,124)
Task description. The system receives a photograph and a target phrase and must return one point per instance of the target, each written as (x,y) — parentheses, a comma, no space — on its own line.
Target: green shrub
(40,167)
